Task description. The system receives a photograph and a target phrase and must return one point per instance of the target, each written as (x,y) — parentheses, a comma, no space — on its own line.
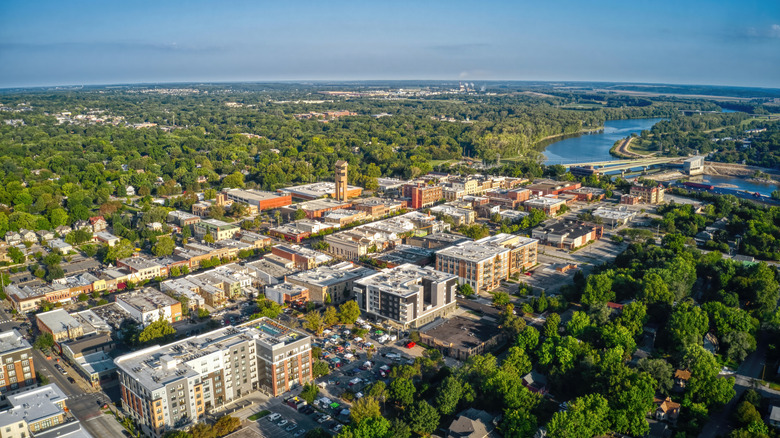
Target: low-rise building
(459,216)
(35,411)
(149,305)
(318,190)
(90,357)
(344,217)
(60,246)
(182,218)
(377,207)
(567,234)
(422,195)
(106,238)
(403,254)
(550,187)
(304,258)
(219,230)
(436,240)
(461,337)
(297,231)
(258,199)
(334,281)
(614,216)
(587,194)
(141,268)
(549,205)
(319,207)
(18,368)
(60,325)
(286,293)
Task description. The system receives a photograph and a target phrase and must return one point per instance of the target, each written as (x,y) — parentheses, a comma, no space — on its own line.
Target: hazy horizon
(726,43)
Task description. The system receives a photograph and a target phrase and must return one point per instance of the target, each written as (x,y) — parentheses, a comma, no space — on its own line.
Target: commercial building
(304,258)
(106,238)
(89,356)
(286,293)
(648,195)
(586,194)
(182,218)
(34,411)
(60,325)
(436,240)
(459,216)
(219,230)
(175,385)
(299,230)
(422,195)
(408,295)
(318,207)
(549,205)
(549,187)
(484,263)
(141,268)
(17,370)
(694,165)
(614,216)
(342,217)
(258,199)
(568,234)
(377,207)
(335,281)
(389,184)
(461,337)
(60,246)
(149,305)
(307,192)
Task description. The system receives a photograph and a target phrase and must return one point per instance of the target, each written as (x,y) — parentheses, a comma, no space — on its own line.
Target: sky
(44,43)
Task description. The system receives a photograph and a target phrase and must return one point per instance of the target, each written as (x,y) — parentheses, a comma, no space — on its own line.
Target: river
(596,146)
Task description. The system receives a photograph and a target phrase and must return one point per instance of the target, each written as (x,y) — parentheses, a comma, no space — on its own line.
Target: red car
(410,345)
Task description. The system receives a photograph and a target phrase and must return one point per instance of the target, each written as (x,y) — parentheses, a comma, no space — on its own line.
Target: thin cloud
(111,46)
(771,32)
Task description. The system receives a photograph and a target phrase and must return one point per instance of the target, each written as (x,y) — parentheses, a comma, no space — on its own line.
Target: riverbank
(569,135)
(623,150)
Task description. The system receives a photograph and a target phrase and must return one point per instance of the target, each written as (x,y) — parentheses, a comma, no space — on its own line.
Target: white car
(282,423)
(274,417)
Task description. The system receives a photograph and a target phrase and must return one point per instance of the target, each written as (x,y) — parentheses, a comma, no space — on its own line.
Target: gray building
(408,295)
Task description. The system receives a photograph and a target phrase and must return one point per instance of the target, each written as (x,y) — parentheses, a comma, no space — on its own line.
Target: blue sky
(106,42)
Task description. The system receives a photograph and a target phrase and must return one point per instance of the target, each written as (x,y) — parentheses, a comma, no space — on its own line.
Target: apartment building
(648,195)
(334,281)
(149,305)
(219,230)
(484,263)
(141,268)
(422,195)
(459,216)
(17,369)
(408,295)
(172,386)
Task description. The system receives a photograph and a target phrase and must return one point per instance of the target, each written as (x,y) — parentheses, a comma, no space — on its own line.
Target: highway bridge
(622,165)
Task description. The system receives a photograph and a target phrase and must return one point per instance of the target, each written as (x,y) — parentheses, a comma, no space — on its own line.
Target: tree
(208,238)
(423,418)
(349,312)
(687,324)
(517,360)
(373,427)
(448,395)
(159,330)
(83,298)
(309,392)
(300,214)
(365,408)
(655,290)
(746,413)
(378,390)
(320,368)
(586,417)
(518,423)
(399,429)
(225,425)
(740,344)
(466,289)
(661,371)
(402,391)
(550,328)
(501,299)
(633,317)
(578,323)
(330,317)
(234,180)
(704,385)
(598,289)
(164,246)
(317,433)
(16,255)
(121,250)
(314,322)
(267,308)
(44,341)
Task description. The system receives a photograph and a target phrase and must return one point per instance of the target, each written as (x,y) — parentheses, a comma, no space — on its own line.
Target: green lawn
(259,415)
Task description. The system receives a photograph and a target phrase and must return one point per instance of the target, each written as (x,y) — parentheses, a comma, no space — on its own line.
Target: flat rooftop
(544,201)
(322,204)
(324,276)
(314,190)
(146,300)
(58,320)
(463,333)
(251,195)
(404,280)
(35,405)
(12,341)
(405,254)
(473,251)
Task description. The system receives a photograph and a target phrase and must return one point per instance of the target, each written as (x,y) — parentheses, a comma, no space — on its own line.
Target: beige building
(60,325)
(648,195)
(219,230)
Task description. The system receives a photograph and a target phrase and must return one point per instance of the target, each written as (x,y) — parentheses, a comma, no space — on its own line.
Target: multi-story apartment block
(172,386)
(219,230)
(304,258)
(408,295)
(334,281)
(141,268)
(149,305)
(648,195)
(422,195)
(484,263)
(17,369)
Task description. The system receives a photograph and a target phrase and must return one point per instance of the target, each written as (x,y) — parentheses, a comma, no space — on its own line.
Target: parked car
(291,427)
(282,423)
(274,417)
(323,419)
